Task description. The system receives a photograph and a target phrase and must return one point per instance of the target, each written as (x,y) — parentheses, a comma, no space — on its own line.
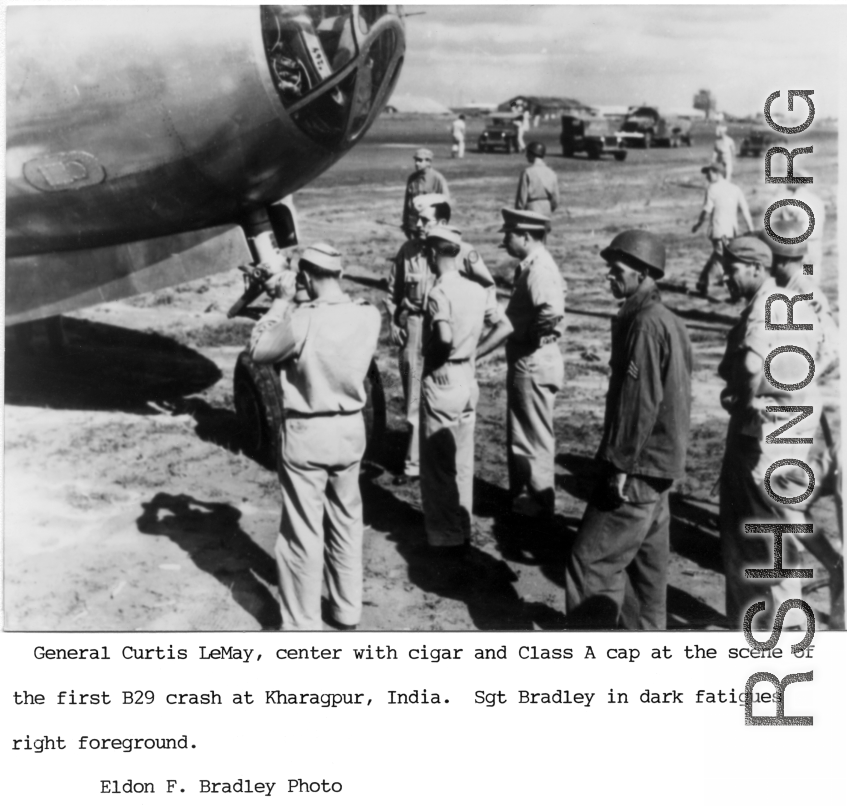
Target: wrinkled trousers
(531,385)
(616,545)
(411,370)
(448,417)
(319,478)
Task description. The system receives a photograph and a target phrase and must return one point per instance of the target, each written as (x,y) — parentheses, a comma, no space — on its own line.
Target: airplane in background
(147,146)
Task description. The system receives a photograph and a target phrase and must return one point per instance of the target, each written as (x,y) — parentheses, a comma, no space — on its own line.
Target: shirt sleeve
(476,270)
(442,188)
(275,337)
(708,201)
(554,191)
(548,301)
(632,416)
(493,312)
(438,307)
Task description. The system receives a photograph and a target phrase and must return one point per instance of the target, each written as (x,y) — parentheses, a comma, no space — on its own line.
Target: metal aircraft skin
(150,145)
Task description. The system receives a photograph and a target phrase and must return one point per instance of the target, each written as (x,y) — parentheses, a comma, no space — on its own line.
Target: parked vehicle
(593,134)
(646,126)
(501,132)
(758,140)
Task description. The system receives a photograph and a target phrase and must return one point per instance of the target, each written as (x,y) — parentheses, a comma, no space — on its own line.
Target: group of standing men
(444,316)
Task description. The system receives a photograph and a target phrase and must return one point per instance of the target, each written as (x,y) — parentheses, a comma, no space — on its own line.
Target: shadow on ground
(483,583)
(209,533)
(104,367)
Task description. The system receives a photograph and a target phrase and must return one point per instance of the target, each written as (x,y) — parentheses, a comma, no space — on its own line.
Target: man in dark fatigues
(624,531)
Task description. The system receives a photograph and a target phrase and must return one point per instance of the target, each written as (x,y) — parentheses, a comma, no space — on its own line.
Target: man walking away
(723,202)
(538,185)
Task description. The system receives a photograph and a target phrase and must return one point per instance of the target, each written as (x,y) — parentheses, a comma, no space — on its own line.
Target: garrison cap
(748,249)
(323,256)
(442,233)
(717,167)
(423,154)
(523,220)
(425,200)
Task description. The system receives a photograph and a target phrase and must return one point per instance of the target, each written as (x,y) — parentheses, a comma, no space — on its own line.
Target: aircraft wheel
(259,407)
(620,156)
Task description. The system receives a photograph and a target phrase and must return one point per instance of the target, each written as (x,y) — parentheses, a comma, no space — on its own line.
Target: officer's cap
(323,256)
(442,233)
(747,249)
(423,154)
(427,200)
(717,167)
(523,221)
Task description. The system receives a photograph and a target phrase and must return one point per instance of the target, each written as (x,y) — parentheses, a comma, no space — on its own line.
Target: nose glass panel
(329,63)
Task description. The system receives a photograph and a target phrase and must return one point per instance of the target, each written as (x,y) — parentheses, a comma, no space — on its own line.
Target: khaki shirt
(723,202)
(538,189)
(410,278)
(537,306)
(756,422)
(466,307)
(324,349)
(419,183)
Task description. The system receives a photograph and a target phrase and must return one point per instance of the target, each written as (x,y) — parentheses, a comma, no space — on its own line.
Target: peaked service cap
(523,220)
(426,200)
(442,233)
(323,256)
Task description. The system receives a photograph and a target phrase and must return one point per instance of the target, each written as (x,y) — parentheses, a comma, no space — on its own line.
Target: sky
(661,55)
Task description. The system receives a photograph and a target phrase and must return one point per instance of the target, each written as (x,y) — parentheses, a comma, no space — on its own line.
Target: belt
(457,361)
(302,415)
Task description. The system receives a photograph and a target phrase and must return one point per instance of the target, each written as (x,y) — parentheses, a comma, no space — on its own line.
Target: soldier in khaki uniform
(324,348)
(425,179)
(788,269)
(538,186)
(409,282)
(457,312)
(535,369)
(750,400)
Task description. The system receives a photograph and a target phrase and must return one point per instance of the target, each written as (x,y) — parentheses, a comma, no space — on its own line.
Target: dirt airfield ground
(130,506)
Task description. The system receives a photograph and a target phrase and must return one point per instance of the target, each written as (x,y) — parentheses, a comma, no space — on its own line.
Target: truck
(594,134)
(645,126)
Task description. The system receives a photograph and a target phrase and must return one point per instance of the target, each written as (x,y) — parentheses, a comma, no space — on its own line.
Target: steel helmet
(536,149)
(641,246)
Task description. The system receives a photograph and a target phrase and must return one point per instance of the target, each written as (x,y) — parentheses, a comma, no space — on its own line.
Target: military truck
(593,134)
(646,127)
(758,140)
(501,132)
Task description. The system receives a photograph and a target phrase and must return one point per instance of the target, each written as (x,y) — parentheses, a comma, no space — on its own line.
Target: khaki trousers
(319,478)
(448,417)
(744,500)
(531,385)
(411,369)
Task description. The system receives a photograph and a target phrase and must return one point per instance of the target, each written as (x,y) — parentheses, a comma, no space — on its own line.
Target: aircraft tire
(258,405)
(260,410)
